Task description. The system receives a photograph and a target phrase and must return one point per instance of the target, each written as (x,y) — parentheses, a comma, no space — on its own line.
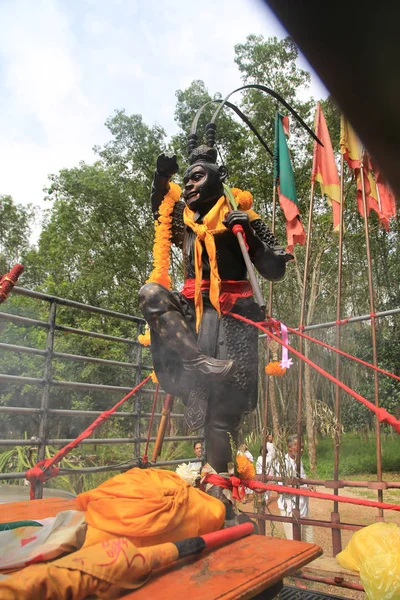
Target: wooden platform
(245,569)
(253,567)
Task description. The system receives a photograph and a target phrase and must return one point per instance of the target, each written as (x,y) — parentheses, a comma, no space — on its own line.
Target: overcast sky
(66,65)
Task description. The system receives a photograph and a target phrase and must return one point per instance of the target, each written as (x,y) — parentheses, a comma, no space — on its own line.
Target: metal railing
(335,524)
(47,383)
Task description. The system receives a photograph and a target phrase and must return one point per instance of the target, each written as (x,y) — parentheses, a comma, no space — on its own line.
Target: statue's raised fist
(167,165)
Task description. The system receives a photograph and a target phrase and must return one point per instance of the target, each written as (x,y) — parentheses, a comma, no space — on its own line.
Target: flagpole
(374,345)
(265,416)
(261,522)
(296,512)
(335,516)
(296,527)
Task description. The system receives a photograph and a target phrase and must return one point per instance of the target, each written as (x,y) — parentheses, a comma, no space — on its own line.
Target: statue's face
(202,187)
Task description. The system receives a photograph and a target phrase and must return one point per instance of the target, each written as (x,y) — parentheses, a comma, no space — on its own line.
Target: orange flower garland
(245,468)
(162,247)
(244,199)
(162,238)
(144,338)
(274,368)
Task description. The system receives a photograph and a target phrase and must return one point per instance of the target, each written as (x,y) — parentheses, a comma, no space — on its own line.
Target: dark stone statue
(213,369)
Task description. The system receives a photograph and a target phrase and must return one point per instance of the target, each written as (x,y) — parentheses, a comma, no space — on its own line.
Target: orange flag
(324,166)
(385,198)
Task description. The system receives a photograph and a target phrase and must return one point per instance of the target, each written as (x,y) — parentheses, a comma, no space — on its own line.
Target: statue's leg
(223,417)
(165,315)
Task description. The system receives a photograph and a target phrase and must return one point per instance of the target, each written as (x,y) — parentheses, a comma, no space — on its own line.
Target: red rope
(239,229)
(153,410)
(238,491)
(382,414)
(350,356)
(46,469)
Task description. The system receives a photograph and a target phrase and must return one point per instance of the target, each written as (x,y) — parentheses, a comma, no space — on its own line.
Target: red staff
(8,281)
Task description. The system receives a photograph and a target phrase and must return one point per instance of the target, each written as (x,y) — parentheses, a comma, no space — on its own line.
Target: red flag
(324,166)
(379,197)
(385,196)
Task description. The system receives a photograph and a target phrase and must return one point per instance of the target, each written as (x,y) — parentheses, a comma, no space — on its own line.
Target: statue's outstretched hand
(167,165)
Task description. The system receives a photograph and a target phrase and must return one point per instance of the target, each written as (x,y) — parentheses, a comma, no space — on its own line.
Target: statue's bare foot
(215,367)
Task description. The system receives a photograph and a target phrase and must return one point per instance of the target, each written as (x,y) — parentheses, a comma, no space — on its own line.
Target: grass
(357,455)
(357,459)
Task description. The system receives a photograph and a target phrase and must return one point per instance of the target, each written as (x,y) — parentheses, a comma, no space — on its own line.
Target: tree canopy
(96,236)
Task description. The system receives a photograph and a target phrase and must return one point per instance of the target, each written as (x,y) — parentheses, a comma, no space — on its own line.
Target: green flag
(284,181)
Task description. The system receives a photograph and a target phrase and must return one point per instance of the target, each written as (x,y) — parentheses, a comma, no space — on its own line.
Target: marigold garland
(274,368)
(245,467)
(154,377)
(162,247)
(244,198)
(144,338)
(162,238)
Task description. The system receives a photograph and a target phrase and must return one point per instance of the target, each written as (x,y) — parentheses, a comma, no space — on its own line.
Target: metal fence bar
(91,359)
(61,442)
(90,386)
(22,349)
(21,379)
(20,410)
(94,334)
(78,305)
(23,320)
(74,330)
(120,467)
(384,313)
(301,521)
(69,384)
(44,421)
(66,356)
(77,412)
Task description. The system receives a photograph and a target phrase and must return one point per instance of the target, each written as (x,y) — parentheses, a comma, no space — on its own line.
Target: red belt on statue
(230,291)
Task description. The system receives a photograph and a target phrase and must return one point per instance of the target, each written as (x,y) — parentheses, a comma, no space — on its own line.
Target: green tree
(16,223)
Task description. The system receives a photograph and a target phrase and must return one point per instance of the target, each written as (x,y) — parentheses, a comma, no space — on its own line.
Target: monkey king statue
(200,352)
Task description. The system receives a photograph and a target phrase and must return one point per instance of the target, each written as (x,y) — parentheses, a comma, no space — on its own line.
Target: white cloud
(65,65)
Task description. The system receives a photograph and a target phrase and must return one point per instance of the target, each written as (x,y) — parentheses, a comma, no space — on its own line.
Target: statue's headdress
(204,154)
(208,153)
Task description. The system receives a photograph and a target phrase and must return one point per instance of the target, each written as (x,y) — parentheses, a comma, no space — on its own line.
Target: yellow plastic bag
(380,576)
(375,553)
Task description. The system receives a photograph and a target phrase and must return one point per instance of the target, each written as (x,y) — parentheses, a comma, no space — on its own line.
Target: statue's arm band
(266,236)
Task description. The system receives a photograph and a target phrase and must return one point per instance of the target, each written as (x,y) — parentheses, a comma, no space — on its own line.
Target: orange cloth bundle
(129,518)
(148,506)
(107,569)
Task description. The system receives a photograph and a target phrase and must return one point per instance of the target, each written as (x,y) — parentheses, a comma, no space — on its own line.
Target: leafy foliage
(96,238)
